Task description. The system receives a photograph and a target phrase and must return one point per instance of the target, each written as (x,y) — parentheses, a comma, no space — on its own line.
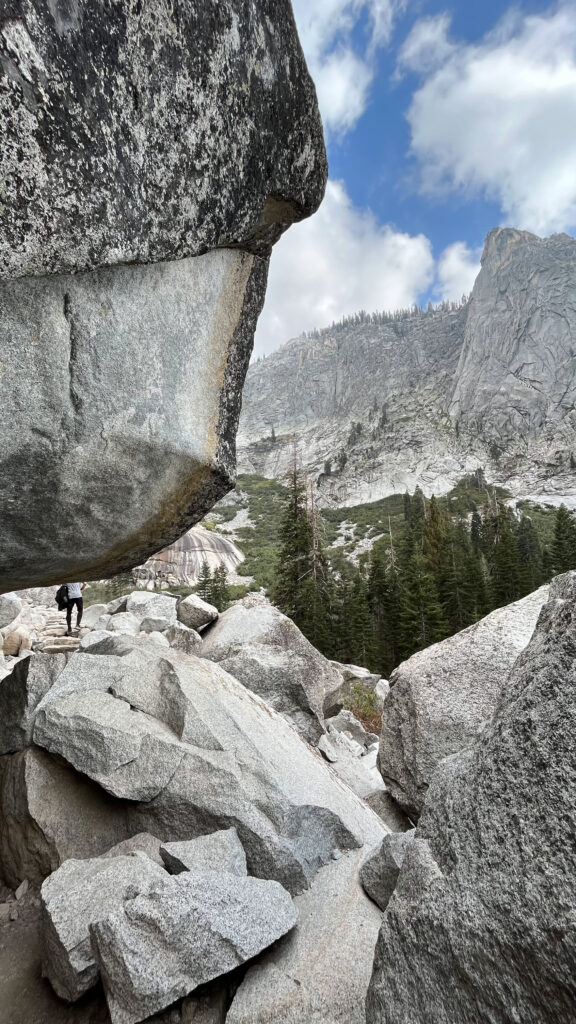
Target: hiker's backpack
(62,597)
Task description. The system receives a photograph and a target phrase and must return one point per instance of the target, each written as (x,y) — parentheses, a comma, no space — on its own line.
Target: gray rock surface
(144,605)
(191,929)
(168,456)
(75,896)
(20,694)
(219,851)
(205,1009)
(320,972)
(379,872)
(142,357)
(10,608)
(239,764)
(485,894)
(131,755)
(441,698)
(346,722)
(141,843)
(91,614)
(438,395)
(48,813)
(122,622)
(267,652)
(182,638)
(181,562)
(196,613)
(162,122)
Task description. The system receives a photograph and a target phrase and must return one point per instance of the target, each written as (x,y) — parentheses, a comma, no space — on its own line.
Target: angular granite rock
(146,605)
(129,754)
(481,924)
(190,929)
(320,972)
(196,613)
(219,851)
(10,608)
(379,872)
(240,764)
(49,813)
(441,698)
(20,694)
(77,895)
(141,843)
(182,638)
(267,652)
(142,134)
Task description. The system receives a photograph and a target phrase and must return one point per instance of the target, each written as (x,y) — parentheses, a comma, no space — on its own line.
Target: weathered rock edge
(481,923)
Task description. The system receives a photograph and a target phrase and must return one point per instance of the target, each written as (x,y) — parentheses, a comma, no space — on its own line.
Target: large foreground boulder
(481,924)
(187,931)
(161,150)
(267,652)
(194,751)
(441,698)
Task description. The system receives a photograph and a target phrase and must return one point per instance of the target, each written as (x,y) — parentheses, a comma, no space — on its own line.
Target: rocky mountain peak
(377,404)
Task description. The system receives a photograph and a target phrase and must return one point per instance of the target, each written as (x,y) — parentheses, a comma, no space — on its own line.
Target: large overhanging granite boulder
(481,924)
(151,154)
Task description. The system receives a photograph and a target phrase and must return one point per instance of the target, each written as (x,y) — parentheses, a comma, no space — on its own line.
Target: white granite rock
(191,929)
(77,895)
(219,851)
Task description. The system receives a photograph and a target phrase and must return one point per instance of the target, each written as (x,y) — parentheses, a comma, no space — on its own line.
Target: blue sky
(441,122)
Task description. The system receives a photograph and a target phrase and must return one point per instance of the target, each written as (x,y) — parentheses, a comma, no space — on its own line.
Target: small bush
(363,703)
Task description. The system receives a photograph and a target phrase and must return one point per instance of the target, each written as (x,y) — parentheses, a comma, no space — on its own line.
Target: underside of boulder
(151,155)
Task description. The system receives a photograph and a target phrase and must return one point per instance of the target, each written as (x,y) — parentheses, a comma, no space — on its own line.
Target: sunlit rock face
(151,155)
(380,407)
(183,560)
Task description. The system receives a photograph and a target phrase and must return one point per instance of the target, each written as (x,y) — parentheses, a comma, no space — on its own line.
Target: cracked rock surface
(481,923)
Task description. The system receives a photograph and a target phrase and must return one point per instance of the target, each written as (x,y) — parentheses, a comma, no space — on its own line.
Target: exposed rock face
(268,653)
(182,129)
(485,894)
(320,971)
(441,698)
(131,450)
(183,560)
(161,151)
(379,872)
(437,395)
(219,851)
(198,926)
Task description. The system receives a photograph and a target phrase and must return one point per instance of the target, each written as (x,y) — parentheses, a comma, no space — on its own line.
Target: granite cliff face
(437,395)
(151,155)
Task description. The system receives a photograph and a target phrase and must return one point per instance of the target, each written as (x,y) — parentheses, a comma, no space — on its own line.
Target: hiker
(74,598)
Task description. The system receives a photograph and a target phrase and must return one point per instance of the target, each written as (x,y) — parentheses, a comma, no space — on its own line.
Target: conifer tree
(204,585)
(421,621)
(220,595)
(564,542)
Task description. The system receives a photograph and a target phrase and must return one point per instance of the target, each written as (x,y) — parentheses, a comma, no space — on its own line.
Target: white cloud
(427,46)
(496,119)
(341,71)
(338,262)
(458,268)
